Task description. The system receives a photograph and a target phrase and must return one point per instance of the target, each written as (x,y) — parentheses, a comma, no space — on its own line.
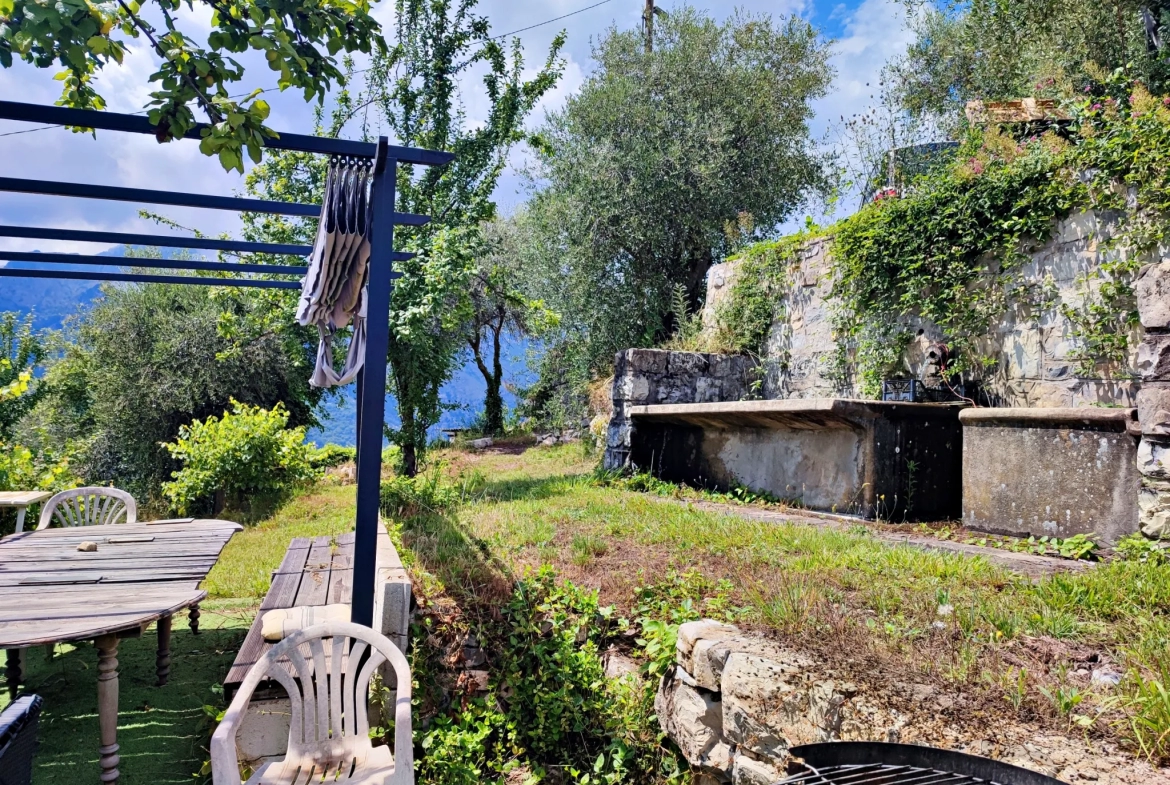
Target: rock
(548,441)
(472,655)
(1154,509)
(1153,459)
(693,719)
(709,656)
(749,771)
(619,666)
(1153,358)
(693,631)
(477,680)
(1152,288)
(482,444)
(1153,404)
(87,547)
(1103,677)
(766,704)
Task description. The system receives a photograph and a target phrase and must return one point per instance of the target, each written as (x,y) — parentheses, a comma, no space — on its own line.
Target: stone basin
(876,459)
(1056,472)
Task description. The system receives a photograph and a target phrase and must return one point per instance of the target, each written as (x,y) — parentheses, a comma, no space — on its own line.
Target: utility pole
(648,25)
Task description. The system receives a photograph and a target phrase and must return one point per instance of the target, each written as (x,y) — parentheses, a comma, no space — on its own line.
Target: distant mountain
(50,301)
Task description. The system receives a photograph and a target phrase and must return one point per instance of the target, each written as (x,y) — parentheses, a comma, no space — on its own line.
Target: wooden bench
(314,571)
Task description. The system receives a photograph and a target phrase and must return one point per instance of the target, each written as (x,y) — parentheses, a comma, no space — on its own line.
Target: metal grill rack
(875,763)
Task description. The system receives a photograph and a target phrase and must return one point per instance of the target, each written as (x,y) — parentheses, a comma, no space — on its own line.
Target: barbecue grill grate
(875,763)
(877,774)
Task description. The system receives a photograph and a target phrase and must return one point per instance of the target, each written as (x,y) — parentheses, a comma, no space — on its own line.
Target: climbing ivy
(756,300)
(948,251)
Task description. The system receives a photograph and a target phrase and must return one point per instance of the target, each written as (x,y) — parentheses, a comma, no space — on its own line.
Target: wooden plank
(287,578)
(23,498)
(314,588)
(144,574)
(340,577)
(83,564)
(17,634)
(292,584)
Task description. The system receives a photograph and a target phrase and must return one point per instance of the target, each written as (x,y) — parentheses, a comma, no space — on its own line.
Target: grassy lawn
(1018,650)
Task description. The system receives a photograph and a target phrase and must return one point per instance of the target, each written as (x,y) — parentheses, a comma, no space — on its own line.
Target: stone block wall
(736,703)
(644,377)
(1034,344)
(1153,400)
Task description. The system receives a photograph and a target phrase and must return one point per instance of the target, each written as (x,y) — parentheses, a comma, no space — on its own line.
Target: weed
(1136,547)
(1016,688)
(1146,706)
(586,547)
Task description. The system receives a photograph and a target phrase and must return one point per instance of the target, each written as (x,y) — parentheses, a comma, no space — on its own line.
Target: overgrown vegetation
(947,252)
(248,459)
(899,612)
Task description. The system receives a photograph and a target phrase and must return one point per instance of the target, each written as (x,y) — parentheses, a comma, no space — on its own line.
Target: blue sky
(866,32)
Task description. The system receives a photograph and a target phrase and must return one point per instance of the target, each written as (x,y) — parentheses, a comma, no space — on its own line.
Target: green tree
(150,359)
(500,307)
(1004,49)
(22,349)
(644,170)
(248,459)
(300,41)
(416,87)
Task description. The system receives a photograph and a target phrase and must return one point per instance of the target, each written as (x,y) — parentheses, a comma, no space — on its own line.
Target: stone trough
(896,461)
(1056,472)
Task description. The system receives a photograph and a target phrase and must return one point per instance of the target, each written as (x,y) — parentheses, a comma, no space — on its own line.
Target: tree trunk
(493,402)
(409,451)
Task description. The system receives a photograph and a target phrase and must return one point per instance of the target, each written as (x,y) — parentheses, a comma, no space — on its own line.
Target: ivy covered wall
(1036,352)
(1019,254)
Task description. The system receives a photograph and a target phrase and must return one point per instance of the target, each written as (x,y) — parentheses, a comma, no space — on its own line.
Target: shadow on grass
(533,488)
(462,562)
(162,731)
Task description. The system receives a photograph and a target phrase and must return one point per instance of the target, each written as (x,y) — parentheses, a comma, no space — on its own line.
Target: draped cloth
(334,290)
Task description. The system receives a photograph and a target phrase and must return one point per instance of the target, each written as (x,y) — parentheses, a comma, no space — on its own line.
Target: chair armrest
(225,766)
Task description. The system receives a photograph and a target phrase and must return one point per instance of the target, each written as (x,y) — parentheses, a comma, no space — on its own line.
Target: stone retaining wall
(735,703)
(1153,363)
(644,377)
(1034,342)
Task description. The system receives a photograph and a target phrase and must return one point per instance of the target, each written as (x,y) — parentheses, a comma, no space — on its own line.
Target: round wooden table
(141,573)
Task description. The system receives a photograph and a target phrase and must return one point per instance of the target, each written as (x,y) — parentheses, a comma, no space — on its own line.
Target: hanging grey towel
(334,290)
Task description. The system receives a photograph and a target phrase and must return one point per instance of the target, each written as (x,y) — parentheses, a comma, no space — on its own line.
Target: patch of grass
(160,729)
(585,547)
(841,592)
(245,567)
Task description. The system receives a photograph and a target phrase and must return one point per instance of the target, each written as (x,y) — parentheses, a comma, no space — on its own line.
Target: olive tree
(642,173)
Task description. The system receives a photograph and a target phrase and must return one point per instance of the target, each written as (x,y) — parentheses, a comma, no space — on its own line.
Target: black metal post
(371,404)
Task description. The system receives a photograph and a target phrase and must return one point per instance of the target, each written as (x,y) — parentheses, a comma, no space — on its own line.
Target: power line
(549,21)
(30,130)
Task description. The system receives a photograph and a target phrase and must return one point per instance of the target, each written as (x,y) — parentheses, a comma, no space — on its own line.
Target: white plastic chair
(92,506)
(329,737)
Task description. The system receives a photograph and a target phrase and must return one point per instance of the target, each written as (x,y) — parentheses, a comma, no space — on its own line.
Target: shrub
(248,459)
(403,497)
(331,456)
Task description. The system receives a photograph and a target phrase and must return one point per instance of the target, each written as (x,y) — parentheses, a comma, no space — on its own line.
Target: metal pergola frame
(371,383)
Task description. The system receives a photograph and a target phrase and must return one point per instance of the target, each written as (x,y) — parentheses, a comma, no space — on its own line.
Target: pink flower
(977,166)
(1095,108)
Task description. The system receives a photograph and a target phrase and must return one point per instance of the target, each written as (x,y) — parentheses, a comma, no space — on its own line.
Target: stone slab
(894,461)
(1152,288)
(1050,472)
